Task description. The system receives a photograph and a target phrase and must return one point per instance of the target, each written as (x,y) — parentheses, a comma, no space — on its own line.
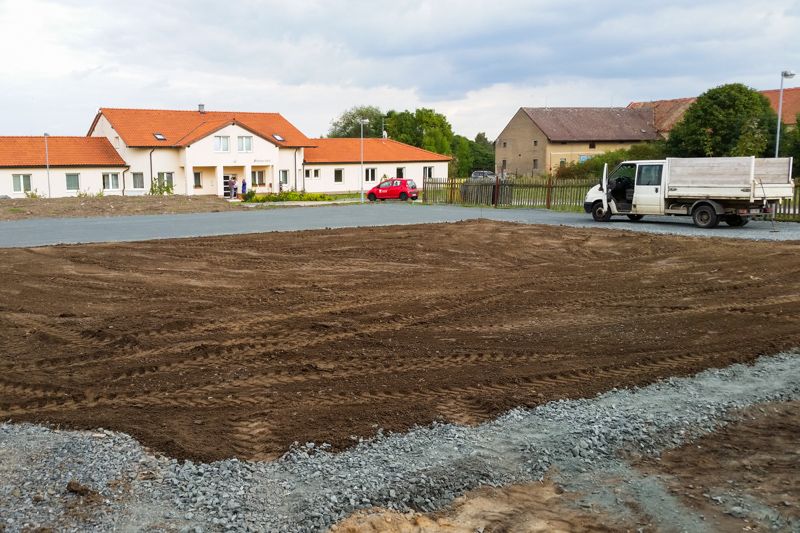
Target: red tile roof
(348,150)
(593,123)
(791,103)
(137,127)
(670,112)
(61,152)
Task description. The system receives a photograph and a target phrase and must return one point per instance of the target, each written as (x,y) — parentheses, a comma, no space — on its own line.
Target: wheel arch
(716,206)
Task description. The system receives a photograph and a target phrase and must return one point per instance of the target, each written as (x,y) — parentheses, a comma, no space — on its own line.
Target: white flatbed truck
(709,189)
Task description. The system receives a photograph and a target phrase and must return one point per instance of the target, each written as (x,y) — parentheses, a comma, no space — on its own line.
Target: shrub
(160,188)
(287,196)
(33,194)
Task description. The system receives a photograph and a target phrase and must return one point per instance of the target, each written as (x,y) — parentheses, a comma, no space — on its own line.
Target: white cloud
(475,61)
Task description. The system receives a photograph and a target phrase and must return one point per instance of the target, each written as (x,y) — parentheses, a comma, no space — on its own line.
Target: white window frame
(133,180)
(245,143)
(402,171)
(312,173)
(370,173)
(341,175)
(18,183)
(283,176)
(427,172)
(198,179)
(78,183)
(219,140)
(113,179)
(166,178)
(258,178)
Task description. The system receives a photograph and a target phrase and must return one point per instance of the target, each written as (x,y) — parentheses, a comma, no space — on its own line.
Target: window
(278,137)
(535,164)
(385,185)
(284,175)
(648,175)
(563,162)
(312,173)
(116,141)
(221,143)
(165,178)
(400,172)
(411,184)
(427,172)
(73,182)
(504,144)
(592,145)
(138,180)
(504,164)
(535,142)
(159,136)
(22,182)
(257,177)
(198,180)
(583,158)
(338,175)
(369,174)
(110,181)
(245,143)
(627,170)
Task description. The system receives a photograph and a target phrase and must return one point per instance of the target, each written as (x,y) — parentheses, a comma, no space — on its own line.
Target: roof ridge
(207,112)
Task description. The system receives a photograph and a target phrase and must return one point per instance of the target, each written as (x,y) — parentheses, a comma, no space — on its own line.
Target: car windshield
(385,185)
(412,184)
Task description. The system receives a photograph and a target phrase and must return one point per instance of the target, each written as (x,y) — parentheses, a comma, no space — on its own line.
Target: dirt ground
(106,206)
(754,462)
(239,346)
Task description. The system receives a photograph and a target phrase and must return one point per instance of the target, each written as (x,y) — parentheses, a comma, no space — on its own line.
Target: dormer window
(278,137)
(159,136)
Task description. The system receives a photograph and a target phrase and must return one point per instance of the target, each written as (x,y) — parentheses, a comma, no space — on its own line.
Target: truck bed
(735,178)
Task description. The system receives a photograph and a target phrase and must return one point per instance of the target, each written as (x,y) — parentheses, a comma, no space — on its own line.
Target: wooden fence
(562,195)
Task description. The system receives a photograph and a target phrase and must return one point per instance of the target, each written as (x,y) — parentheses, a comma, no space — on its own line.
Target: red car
(393,189)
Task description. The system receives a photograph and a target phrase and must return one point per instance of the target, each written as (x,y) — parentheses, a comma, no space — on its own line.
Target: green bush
(160,188)
(593,168)
(287,196)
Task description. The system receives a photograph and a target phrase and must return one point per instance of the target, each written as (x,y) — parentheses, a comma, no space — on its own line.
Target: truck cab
(633,188)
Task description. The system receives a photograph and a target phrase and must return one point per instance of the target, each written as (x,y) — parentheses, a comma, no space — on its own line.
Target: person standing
(244,186)
(234,187)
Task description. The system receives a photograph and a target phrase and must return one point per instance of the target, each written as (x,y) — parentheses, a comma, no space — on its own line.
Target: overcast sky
(476,62)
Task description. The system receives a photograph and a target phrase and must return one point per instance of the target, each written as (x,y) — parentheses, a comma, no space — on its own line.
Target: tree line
(423,128)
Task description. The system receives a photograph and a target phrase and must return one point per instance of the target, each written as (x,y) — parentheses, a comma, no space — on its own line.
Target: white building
(59,166)
(200,152)
(334,165)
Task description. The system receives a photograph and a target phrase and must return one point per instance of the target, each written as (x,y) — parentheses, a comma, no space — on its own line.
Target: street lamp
(785,75)
(361,123)
(47,164)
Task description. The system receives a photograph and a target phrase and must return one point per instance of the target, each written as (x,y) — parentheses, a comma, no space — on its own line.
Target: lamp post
(361,123)
(47,164)
(786,74)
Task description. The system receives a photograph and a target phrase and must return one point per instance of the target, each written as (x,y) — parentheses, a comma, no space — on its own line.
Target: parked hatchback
(393,189)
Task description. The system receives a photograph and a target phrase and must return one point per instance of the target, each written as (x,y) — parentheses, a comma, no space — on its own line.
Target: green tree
(790,146)
(462,163)
(347,124)
(424,128)
(482,140)
(725,121)
(402,126)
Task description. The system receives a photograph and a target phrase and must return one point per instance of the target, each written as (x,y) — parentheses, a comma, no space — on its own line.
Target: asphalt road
(43,232)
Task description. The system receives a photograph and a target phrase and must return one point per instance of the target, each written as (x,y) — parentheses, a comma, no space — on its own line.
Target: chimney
(201,108)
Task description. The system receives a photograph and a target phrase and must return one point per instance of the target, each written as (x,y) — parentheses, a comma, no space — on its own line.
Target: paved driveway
(41,232)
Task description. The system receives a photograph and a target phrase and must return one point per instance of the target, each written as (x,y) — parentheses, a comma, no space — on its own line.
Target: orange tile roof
(670,112)
(137,127)
(348,150)
(791,103)
(61,152)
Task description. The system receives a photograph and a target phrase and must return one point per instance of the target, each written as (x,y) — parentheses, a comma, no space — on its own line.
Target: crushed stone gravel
(123,486)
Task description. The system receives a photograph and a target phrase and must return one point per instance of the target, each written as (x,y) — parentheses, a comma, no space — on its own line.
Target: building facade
(334,165)
(60,167)
(540,140)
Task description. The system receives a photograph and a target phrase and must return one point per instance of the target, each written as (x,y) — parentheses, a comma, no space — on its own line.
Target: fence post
(548,198)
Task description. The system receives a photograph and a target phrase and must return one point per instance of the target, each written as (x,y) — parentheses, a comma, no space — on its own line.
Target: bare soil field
(753,462)
(239,346)
(106,206)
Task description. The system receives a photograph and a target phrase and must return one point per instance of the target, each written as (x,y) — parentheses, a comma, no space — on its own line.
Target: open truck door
(604,188)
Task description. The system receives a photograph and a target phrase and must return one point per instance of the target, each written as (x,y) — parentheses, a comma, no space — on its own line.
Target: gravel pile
(309,489)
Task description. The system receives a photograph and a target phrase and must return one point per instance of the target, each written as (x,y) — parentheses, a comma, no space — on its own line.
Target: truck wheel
(735,221)
(705,217)
(636,218)
(599,214)
(371,197)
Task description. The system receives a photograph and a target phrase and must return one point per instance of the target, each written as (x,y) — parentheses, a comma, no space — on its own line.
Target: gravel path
(117,485)
(43,232)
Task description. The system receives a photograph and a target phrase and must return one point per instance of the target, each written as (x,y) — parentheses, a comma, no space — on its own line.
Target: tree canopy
(348,125)
(729,120)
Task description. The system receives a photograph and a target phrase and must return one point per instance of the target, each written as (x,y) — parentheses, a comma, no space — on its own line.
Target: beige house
(538,140)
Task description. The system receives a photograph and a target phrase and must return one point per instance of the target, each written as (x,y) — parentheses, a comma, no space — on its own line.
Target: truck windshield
(623,170)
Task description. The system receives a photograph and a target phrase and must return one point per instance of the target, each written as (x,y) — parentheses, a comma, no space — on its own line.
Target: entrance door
(227,180)
(648,196)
